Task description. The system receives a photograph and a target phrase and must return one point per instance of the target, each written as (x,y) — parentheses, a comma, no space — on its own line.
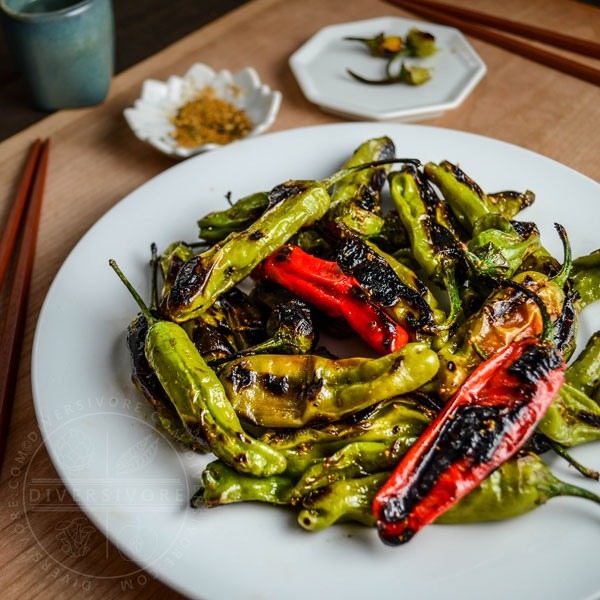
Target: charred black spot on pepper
(589,418)
(276,385)
(535,363)
(191,278)
(284,191)
(374,274)
(462,177)
(256,235)
(241,377)
(525,229)
(565,327)
(473,434)
(451,367)
(284,254)
(314,388)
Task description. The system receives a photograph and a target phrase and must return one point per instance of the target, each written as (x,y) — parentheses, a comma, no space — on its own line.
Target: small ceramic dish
(150,116)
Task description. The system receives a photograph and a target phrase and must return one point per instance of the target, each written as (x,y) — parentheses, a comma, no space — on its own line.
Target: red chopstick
(506,42)
(11,338)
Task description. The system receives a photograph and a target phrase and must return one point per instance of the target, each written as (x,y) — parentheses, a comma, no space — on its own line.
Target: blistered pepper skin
(292,391)
(202,279)
(201,403)
(355,200)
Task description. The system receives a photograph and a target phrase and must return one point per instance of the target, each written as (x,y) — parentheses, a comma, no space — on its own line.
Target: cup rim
(45,16)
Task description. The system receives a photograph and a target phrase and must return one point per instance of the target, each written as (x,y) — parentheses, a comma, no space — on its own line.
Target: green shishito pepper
(586,278)
(430,228)
(518,486)
(355,199)
(291,391)
(402,419)
(466,199)
(216,226)
(198,397)
(499,247)
(206,276)
(584,373)
(292,205)
(509,203)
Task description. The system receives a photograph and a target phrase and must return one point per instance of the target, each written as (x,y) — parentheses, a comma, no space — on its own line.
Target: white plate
(134,485)
(320,68)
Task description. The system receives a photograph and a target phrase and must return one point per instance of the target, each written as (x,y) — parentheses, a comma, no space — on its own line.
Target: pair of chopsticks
(24,217)
(470,22)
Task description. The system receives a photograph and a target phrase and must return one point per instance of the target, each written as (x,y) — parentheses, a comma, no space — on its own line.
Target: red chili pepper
(486,422)
(323,284)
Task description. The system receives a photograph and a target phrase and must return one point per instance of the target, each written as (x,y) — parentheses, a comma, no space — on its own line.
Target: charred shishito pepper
(216,226)
(292,205)
(507,315)
(323,284)
(274,390)
(198,397)
(431,230)
(486,423)
(355,200)
(374,270)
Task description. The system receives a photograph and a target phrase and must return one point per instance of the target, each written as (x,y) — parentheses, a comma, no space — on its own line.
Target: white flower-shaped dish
(150,116)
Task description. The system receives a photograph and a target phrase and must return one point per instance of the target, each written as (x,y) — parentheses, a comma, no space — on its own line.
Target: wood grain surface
(96,161)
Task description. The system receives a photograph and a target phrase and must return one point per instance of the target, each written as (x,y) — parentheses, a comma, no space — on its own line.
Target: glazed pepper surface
(291,391)
(206,276)
(485,424)
(323,284)
(506,316)
(398,418)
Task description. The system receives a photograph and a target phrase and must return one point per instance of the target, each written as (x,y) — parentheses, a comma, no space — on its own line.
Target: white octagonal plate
(320,69)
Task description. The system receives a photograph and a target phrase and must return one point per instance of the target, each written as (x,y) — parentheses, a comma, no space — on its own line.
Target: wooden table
(96,161)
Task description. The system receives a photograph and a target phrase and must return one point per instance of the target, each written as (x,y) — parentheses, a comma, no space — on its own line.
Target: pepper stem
(154,266)
(562,452)
(264,348)
(449,278)
(561,277)
(547,334)
(561,488)
(343,173)
(145,311)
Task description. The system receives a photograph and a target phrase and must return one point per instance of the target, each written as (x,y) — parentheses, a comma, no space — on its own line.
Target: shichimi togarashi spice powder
(208,119)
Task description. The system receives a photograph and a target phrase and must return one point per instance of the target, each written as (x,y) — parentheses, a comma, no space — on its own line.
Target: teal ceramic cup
(64,49)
